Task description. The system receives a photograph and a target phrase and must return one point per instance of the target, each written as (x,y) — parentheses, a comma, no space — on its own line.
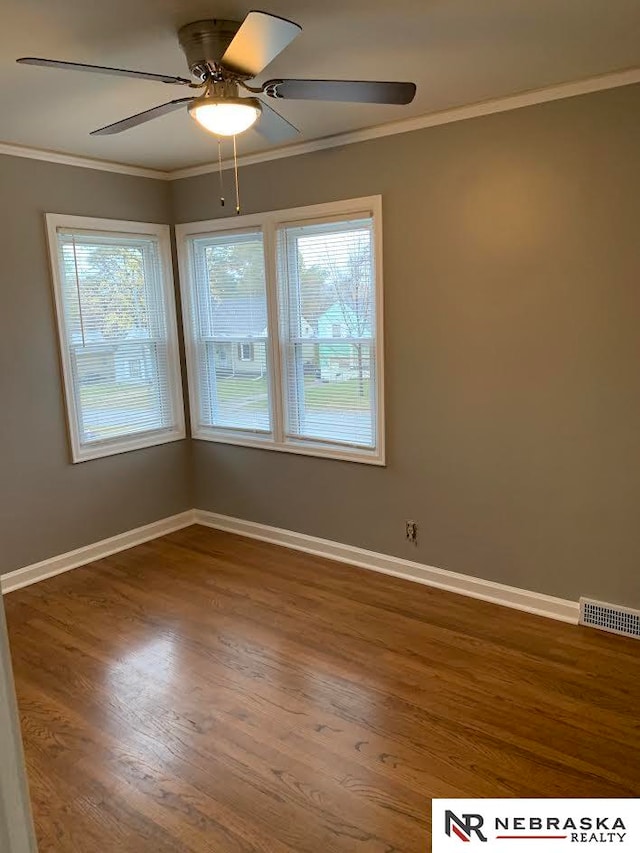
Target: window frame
(251,350)
(151,438)
(268,223)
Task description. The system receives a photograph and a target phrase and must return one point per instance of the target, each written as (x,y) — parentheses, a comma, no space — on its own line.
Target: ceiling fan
(222,56)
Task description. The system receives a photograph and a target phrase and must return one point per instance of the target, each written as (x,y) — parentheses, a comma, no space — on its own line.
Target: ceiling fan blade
(140,118)
(101,69)
(273,126)
(360,91)
(259,40)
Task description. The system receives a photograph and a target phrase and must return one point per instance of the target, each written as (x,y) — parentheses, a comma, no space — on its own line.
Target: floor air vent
(610,617)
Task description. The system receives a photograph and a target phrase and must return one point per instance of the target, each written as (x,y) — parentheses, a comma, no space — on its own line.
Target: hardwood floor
(205,692)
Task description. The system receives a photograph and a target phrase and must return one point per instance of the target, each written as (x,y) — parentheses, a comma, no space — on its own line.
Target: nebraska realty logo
(504,824)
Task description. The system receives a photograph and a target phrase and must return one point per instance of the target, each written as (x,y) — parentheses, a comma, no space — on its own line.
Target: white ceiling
(457,51)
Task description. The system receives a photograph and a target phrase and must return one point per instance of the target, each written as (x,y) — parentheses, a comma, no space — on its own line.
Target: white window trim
(54,221)
(268,222)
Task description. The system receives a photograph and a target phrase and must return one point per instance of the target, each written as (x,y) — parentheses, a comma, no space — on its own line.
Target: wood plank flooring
(205,692)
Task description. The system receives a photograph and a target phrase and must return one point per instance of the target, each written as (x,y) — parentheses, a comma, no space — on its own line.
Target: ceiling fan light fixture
(225,116)
(223,55)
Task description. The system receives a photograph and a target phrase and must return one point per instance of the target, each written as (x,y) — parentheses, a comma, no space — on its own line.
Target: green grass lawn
(106,395)
(318,395)
(337,395)
(240,390)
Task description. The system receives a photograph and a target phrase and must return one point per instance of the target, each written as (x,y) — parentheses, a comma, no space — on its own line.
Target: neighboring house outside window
(340,361)
(237,317)
(265,297)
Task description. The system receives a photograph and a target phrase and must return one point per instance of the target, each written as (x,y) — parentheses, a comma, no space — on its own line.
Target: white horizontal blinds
(327,304)
(230,330)
(115,325)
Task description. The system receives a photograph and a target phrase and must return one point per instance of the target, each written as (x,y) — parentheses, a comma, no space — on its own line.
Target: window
(116,321)
(245,352)
(135,368)
(265,298)
(229,323)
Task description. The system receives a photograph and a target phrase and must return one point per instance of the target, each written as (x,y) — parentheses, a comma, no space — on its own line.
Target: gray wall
(512,299)
(47,505)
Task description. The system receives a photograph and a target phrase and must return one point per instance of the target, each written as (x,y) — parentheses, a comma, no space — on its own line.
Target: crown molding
(82,162)
(482,108)
(530,98)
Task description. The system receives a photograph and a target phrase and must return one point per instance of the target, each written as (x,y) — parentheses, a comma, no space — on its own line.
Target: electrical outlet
(411,531)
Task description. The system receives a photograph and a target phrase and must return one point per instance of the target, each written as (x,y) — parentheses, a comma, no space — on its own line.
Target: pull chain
(220,172)
(235,169)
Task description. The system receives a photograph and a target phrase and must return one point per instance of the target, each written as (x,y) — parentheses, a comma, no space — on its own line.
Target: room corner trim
(87,554)
(496,593)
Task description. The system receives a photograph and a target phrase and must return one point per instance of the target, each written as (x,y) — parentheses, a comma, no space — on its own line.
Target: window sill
(307,448)
(112,448)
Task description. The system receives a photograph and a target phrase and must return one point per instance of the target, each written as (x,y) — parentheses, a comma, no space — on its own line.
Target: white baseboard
(497,593)
(72,559)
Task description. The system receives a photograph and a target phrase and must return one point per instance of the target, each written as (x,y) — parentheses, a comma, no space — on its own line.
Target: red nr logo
(464,826)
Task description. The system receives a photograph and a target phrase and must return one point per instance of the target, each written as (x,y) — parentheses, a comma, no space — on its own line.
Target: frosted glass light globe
(225,117)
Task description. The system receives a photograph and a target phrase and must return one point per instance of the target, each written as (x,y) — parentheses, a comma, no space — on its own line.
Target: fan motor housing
(204,44)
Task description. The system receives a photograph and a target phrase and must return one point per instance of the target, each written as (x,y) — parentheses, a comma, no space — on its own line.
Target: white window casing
(115,308)
(300,290)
